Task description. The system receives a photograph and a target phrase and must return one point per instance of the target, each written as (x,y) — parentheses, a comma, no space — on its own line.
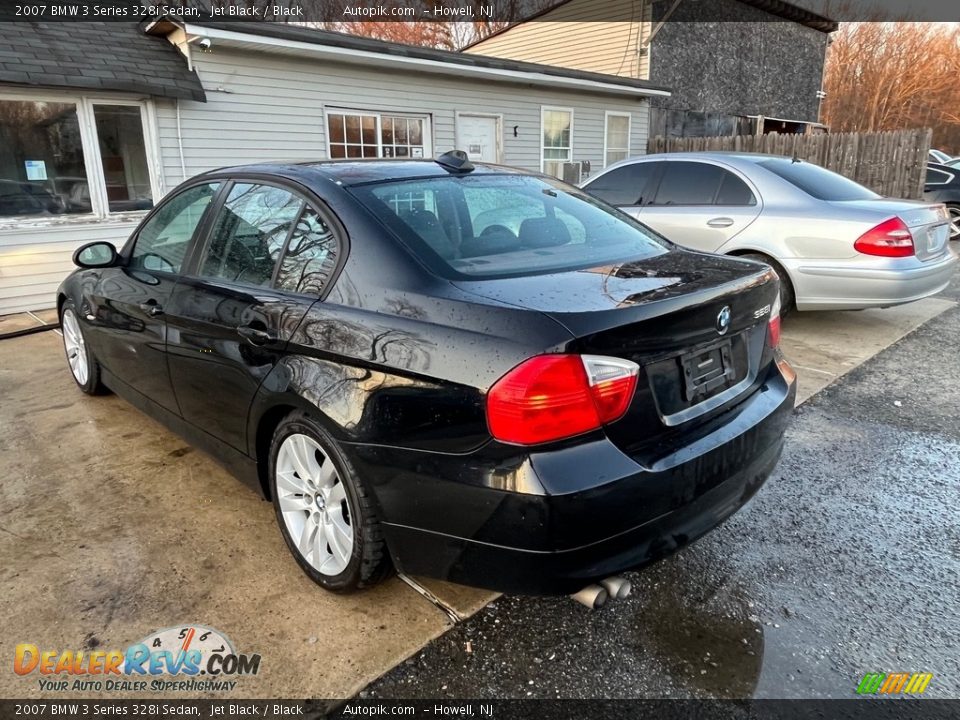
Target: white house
(101,120)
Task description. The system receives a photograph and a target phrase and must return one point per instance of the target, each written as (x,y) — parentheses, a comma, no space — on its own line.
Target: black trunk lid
(695,323)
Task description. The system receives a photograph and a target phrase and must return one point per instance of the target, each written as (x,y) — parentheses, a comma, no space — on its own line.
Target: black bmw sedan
(466,372)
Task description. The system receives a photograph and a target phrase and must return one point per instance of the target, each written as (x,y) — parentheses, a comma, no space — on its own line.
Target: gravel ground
(846,562)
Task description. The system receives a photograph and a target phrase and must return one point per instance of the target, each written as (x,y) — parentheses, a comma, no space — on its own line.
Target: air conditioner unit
(573,173)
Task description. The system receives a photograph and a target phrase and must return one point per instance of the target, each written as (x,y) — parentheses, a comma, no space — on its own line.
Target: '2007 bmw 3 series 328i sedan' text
(465,372)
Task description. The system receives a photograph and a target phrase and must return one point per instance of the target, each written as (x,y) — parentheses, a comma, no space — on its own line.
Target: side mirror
(96,255)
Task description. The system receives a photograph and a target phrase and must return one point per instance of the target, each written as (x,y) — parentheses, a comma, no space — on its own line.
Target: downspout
(183,164)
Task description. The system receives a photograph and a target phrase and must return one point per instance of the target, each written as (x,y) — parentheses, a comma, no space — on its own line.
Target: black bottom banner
(854,709)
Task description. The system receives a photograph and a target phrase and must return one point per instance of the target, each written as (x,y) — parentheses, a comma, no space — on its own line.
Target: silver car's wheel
(313,504)
(75,347)
(954,222)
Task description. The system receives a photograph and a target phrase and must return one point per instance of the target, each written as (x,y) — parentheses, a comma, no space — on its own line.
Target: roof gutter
(363,57)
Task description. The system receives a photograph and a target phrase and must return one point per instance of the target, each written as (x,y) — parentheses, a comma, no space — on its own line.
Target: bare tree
(895,75)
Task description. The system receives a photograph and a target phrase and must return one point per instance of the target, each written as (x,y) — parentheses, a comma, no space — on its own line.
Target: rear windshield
(506,225)
(816,181)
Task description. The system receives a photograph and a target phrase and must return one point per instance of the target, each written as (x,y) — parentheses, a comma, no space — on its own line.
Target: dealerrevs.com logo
(190,658)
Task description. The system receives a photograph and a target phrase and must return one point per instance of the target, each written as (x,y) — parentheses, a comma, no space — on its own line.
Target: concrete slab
(111,526)
(822,346)
(24,321)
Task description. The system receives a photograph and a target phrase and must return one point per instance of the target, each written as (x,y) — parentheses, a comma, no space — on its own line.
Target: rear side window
(816,181)
(623,185)
(249,233)
(734,191)
(688,183)
(163,241)
(311,255)
(937,177)
(506,225)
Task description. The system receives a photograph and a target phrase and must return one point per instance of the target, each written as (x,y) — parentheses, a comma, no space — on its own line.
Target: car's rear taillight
(773,326)
(891,238)
(551,397)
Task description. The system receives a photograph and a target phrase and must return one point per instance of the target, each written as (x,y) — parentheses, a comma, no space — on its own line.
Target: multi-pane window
(46,148)
(368,135)
(124,157)
(557,139)
(353,136)
(617,138)
(42,168)
(402,136)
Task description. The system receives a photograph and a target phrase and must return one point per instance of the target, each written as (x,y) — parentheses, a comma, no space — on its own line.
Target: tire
(326,513)
(84,367)
(786,288)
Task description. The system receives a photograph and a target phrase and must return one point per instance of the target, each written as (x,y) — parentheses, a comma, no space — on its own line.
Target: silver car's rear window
(506,225)
(816,181)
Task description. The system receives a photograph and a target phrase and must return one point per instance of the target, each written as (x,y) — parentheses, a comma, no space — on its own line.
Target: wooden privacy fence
(890,163)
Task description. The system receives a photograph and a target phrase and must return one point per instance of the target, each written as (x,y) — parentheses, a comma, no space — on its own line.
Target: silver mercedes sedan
(835,244)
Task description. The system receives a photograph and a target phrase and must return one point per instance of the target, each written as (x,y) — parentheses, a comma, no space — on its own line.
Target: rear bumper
(876,282)
(552,522)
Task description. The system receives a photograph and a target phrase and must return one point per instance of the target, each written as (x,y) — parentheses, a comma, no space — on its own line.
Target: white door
(479,137)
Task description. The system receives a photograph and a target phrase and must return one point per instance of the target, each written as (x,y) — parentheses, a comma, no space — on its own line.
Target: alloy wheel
(75,346)
(955,223)
(313,503)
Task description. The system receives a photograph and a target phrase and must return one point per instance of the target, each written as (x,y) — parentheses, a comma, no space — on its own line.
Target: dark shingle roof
(94,56)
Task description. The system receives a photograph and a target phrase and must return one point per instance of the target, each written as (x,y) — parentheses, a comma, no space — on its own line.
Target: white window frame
(427,119)
(606,132)
(90,147)
(554,108)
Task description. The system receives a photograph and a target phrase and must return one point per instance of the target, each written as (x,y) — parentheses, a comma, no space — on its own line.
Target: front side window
(507,225)
(372,135)
(617,138)
(42,170)
(623,186)
(557,140)
(249,233)
(124,157)
(163,241)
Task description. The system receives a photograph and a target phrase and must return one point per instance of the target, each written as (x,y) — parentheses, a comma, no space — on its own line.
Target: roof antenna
(455,161)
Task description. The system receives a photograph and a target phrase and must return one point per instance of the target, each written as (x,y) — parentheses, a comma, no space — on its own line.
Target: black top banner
(820,14)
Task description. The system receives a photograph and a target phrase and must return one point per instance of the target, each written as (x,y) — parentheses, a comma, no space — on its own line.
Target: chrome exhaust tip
(617,587)
(592,596)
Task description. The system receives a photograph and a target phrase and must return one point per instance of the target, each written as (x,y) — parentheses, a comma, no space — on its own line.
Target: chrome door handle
(720,222)
(151,308)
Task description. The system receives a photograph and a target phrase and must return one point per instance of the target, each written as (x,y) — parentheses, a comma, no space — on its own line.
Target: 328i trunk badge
(723,320)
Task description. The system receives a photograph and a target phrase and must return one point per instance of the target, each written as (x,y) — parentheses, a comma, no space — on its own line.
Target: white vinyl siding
(34,261)
(570,36)
(36,250)
(265,107)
